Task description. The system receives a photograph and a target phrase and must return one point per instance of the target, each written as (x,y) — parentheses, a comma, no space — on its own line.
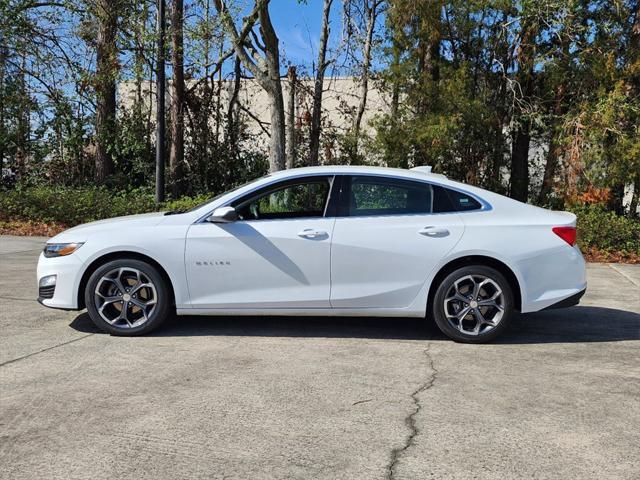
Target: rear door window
(371,195)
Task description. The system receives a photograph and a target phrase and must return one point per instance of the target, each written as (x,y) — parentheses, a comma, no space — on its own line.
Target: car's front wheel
(127,297)
(473,304)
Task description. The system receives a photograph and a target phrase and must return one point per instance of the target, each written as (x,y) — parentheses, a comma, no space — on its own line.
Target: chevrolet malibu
(343,241)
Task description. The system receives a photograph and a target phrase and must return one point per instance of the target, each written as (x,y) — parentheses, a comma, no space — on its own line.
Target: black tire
(158,312)
(451,328)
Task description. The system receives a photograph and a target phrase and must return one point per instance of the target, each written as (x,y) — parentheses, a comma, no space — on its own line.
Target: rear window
(446,200)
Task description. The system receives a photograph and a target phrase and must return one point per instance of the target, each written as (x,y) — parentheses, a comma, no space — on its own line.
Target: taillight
(568,234)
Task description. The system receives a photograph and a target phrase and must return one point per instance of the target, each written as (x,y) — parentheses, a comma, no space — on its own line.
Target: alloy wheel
(474,304)
(125,297)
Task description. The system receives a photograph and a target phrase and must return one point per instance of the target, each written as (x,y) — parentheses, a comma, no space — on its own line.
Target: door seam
(333,228)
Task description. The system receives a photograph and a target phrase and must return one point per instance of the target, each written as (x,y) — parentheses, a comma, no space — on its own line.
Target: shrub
(605,231)
(185,203)
(598,229)
(73,206)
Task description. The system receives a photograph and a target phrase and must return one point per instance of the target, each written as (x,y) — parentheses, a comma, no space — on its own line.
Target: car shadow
(264,247)
(575,324)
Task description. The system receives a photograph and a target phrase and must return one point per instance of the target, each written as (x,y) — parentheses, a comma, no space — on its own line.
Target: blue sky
(298,26)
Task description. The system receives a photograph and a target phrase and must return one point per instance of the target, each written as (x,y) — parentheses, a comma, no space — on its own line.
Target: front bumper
(69,271)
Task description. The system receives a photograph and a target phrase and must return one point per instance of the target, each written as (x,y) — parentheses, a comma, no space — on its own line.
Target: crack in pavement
(17,298)
(45,350)
(410,420)
(22,251)
(617,270)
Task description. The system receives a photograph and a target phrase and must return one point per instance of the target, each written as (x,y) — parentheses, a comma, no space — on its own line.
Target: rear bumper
(552,277)
(567,302)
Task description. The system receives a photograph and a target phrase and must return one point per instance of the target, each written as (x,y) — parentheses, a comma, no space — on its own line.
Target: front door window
(298,200)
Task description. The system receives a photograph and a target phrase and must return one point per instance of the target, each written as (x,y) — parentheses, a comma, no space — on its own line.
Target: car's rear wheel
(127,297)
(473,304)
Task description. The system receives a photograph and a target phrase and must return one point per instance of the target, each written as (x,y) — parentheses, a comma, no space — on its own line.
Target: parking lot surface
(557,396)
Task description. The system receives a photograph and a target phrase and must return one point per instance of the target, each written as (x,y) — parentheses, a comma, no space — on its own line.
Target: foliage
(610,134)
(605,231)
(184,203)
(479,84)
(58,207)
(73,206)
(474,88)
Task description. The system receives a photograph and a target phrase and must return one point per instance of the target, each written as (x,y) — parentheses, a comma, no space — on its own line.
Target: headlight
(60,249)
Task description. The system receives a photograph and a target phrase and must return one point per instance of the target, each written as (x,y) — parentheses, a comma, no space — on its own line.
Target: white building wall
(339,103)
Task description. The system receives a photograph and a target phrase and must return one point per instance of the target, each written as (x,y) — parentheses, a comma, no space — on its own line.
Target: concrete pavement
(558,396)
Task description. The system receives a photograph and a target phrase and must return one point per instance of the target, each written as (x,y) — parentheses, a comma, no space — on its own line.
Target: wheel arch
(118,255)
(485,260)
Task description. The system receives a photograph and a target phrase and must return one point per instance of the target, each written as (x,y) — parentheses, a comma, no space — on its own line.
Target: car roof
(418,173)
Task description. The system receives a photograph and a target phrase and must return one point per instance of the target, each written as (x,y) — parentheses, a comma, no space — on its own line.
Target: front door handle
(434,232)
(311,233)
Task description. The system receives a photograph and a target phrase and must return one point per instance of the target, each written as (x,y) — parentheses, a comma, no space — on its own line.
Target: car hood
(80,233)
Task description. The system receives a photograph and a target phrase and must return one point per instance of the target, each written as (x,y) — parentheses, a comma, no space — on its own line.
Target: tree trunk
(23,124)
(139,59)
(291,119)
(160,102)
(616,198)
(428,51)
(316,115)
(395,87)
(634,42)
(522,136)
(176,152)
(635,198)
(372,14)
(3,134)
(266,70)
(520,162)
(550,168)
(634,48)
(272,55)
(219,96)
(555,148)
(499,88)
(105,85)
(277,142)
(232,133)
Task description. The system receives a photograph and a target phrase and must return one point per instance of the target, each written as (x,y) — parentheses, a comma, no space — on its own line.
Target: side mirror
(223,215)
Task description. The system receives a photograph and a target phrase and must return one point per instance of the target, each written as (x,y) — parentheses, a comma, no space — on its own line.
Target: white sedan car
(357,241)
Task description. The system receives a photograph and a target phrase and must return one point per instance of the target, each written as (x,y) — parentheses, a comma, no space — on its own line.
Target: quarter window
(305,199)
(447,200)
(386,196)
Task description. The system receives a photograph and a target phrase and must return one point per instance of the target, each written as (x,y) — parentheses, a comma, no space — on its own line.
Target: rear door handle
(434,232)
(311,233)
